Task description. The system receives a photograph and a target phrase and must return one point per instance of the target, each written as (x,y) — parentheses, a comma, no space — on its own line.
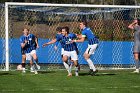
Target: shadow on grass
(45,72)
(3,74)
(97,74)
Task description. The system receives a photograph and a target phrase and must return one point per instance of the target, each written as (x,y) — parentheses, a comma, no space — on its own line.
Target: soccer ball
(19,67)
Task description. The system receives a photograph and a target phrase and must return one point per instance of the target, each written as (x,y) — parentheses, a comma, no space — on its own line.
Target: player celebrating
(92,45)
(24,59)
(135,25)
(69,48)
(28,43)
(59,34)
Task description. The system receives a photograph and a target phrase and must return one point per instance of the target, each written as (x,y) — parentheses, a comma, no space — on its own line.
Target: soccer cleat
(31,69)
(90,71)
(23,70)
(35,72)
(93,73)
(136,71)
(69,75)
(76,73)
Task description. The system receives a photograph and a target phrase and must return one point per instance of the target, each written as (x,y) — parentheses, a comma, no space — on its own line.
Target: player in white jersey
(92,45)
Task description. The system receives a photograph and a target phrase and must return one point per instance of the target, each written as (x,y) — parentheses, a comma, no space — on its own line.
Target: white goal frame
(46,4)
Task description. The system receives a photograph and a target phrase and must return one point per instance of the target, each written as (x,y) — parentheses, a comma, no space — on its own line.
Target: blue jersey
(30,45)
(92,39)
(66,41)
(58,36)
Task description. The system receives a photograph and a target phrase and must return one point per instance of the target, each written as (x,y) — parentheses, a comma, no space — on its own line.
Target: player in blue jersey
(68,47)
(92,45)
(67,65)
(29,45)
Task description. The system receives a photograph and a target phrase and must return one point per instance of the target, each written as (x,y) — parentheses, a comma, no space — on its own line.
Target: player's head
(25,31)
(59,29)
(83,24)
(65,30)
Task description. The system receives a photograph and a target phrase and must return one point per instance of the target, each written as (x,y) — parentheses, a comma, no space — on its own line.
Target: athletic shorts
(136,49)
(62,51)
(29,55)
(72,54)
(91,49)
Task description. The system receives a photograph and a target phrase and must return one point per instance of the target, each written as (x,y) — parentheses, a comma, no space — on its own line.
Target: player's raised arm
(51,42)
(131,26)
(23,44)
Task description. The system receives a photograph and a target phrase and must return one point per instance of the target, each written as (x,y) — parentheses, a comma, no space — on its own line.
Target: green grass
(110,81)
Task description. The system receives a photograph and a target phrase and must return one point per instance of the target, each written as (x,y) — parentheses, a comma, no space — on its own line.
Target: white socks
(67,67)
(91,65)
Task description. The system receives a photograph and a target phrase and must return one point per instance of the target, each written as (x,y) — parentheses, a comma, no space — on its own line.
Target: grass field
(110,81)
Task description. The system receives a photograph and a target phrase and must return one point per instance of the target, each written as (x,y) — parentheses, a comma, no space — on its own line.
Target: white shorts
(62,51)
(29,55)
(71,54)
(91,49)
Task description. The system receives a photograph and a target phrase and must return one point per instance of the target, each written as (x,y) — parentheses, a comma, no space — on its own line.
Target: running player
(92,45)
(69,48)
(59,34)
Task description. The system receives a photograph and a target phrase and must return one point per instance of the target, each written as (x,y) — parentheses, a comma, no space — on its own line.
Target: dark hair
(59,29)
(84,22)
(66,28)
(25,28)
(138,21)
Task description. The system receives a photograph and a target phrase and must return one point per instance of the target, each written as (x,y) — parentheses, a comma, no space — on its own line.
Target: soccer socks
(67,67)
(137,64)
(23,65)
(91,65)
(76,71)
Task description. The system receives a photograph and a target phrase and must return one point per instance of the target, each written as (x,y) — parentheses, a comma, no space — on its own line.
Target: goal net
(109,23)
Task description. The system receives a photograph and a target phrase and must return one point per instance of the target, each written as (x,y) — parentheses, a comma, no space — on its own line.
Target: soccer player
(92,45)
(69,48)
(135,25)
(29,45)
(59,34)
(24,57)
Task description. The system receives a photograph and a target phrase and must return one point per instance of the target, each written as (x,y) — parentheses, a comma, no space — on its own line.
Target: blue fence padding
(1,50)
(105,54)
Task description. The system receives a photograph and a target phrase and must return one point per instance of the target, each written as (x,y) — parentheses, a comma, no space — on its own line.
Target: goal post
(108,22)
(6,38)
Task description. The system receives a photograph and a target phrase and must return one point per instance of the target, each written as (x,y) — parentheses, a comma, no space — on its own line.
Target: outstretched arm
(80,40)
(51,42)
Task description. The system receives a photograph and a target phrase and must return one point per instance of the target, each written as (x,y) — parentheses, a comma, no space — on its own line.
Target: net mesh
(2,36)
(109,24)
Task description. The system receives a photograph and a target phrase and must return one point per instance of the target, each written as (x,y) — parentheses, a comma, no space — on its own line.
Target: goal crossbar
(72,5)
